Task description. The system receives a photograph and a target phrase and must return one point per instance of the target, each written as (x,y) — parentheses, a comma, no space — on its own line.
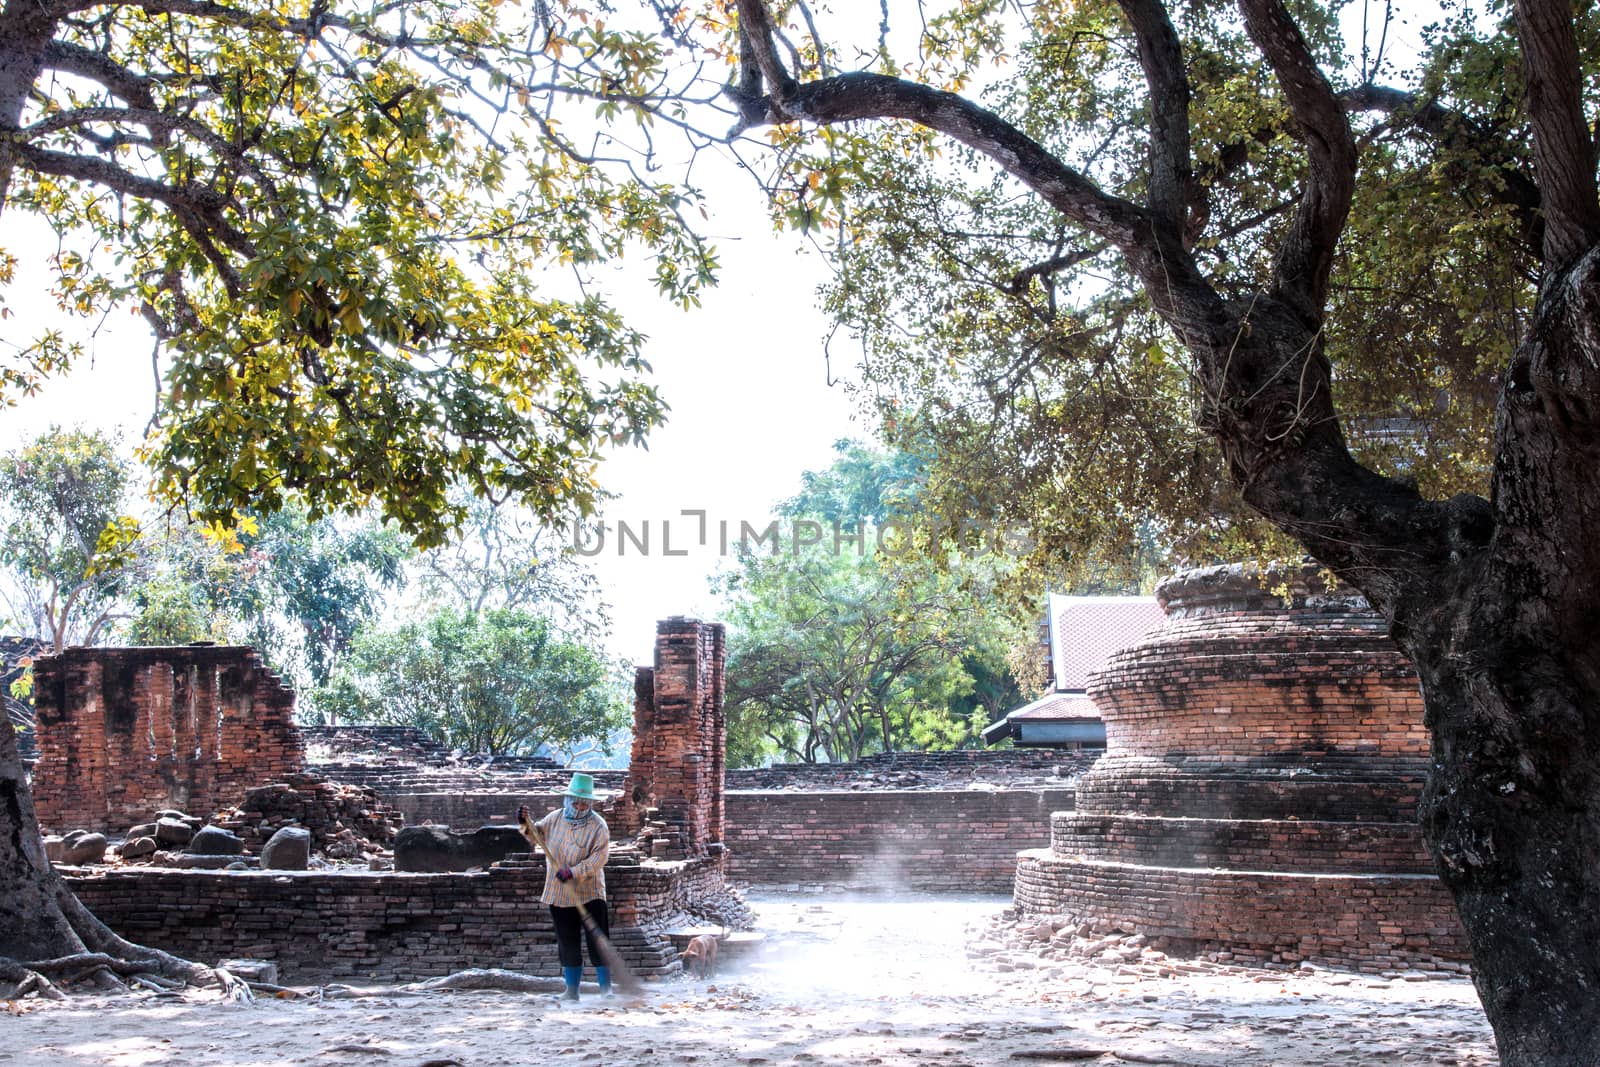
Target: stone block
(439,849)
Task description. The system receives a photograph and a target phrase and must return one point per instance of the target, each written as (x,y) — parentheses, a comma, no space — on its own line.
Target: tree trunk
(1497,604)
(1510,665)
(33,925)
(1509,812)
(40,918)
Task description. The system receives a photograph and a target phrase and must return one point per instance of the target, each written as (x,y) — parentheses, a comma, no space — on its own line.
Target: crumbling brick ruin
(322,923)
(125,732)
(1258,800)
(1258,797)
(672,798)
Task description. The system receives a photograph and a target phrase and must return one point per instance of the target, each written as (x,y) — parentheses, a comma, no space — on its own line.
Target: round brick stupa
(1265,752)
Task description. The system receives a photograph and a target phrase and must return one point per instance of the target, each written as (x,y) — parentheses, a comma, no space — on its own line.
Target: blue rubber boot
(602,975)
(572,976)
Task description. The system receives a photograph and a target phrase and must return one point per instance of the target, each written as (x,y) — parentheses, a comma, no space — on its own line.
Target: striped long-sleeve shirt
(584,846)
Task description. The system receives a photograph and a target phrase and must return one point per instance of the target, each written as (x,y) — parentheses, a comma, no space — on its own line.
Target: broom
(621,976)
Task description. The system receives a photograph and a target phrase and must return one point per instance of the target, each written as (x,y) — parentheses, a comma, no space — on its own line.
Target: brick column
(675,776)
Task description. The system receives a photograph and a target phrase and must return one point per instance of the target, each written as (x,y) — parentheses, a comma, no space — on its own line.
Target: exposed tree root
(102,940)
(145,967)
(26,982)
(489,978)
(152,973)
(476,978)
(40,916)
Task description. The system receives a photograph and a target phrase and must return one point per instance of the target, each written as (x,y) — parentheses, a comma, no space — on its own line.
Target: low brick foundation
(1362,922)
(884,821)
(469,810)
(389,926)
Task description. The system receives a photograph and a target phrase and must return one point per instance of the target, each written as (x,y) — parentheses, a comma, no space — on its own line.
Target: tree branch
(70,58)
(848,97)
(757,42)
(159,123)
(1172,186)
(1562,146)
(1452,129)
(1306,257)
(201,202)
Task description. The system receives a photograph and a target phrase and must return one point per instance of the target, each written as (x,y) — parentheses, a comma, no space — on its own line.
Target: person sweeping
(576,844)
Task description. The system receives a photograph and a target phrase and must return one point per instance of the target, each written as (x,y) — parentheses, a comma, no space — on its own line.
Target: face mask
(569,810)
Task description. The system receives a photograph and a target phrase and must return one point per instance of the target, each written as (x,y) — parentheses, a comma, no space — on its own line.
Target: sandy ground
(839,981)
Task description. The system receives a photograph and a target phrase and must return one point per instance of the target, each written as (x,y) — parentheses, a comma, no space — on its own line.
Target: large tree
(502,682)
(851,632)
(834,656)
(1493,597)
(325,579)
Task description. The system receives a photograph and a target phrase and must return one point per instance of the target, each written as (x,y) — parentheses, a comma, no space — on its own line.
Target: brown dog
(700,958)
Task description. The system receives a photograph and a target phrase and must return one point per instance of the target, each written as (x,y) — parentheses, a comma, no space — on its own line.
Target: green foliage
(325,579)
(829,661)
(837,654)
(862,485)
(185,586)
(363,234)
(496,682)
(57,495)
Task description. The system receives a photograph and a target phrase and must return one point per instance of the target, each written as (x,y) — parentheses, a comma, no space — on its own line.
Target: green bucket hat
(582,788)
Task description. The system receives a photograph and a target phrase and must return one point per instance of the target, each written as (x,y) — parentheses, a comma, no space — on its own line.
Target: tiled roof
(1058,706)
(1086,630)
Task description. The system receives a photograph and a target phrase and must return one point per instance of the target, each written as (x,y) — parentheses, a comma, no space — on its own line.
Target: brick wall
(917,769)
(946,840)
(466,798)
(1365,789)
(400,779)
(1294,845)
(388,926)
(125,732)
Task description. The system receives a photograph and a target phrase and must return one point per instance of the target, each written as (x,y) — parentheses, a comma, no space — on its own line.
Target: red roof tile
(1086,630)
(1058,706)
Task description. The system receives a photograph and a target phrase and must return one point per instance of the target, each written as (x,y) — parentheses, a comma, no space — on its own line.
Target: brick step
(1252,796)
(1299,846)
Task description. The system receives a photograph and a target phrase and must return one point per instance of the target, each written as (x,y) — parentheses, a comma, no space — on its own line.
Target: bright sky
(747,379)
(744,374)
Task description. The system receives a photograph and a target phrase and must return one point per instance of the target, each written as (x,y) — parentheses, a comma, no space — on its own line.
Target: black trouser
(569,924)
